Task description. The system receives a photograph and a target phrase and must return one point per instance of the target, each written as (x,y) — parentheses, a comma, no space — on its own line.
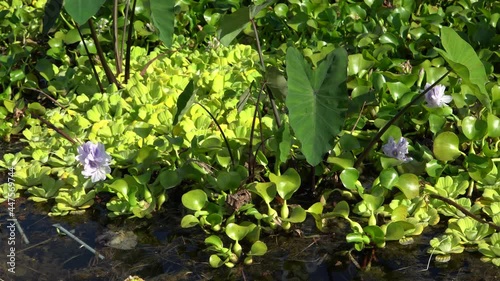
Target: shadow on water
(167,252)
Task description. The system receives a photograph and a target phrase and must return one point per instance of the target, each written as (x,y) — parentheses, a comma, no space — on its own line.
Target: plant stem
(118,53)
(222,133)
(129,43)
(261,57)
(109,74)
(393,120)
(101,88)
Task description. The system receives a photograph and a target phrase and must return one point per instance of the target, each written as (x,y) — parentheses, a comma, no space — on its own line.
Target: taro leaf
(237,232)
(315,100)
(446,146)
(286,184)
(82,10)
(184,102)
(259,248)
(396,230)
(473,128)
(194,199)
(464,61)
(409,185)
(162,14)
(231,25)
(50,14)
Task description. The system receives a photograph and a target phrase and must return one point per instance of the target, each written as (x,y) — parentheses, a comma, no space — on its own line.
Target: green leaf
(82,10)
(162,14)
(194,199)
(259,248)
(231,25)
(473,128)
(189,221)
(446,146)
(349,177)
(396,230)
(388,178)
(409,185)
(238,232)
(50,14)
(464,61)
(286,184)
(316,100)
(493,126)
(184,102)
(266,190)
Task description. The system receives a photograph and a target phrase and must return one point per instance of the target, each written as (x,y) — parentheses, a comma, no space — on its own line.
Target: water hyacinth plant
(95,161)
(436,97)
(262,117)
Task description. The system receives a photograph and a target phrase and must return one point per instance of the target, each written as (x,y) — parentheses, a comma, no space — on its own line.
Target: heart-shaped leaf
(237,232)
(473,128)
(266,190)
(82,10)
(316,101)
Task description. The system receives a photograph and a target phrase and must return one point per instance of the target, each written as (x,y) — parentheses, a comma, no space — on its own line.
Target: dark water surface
(167,252)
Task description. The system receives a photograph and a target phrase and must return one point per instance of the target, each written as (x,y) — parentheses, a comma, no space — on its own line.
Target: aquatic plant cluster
(385,113)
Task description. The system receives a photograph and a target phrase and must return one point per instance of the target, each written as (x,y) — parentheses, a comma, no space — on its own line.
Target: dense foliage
(382,113)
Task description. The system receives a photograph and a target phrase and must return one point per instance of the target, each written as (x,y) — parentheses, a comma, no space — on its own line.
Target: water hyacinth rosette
(435,97)
(95,161)
(398,150)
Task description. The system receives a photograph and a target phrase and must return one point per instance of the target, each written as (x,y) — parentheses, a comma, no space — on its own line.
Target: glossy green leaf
(493,125)
(162,14)
(259,248)
(297,215)
(388,178)
(341,209)
(349,177)
(237,232)
(409,185)
(189,221)
(215,261)
(446,146)
(316,101)
(376,234)
(266,190)
(194,199)
(286,184)
(465,62)
(473,128)
(215,241)
(82,10)
(120,186)
(184,102)
(396,230)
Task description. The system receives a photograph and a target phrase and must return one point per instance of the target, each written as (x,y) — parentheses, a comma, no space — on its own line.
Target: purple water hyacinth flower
(397,150)
(95,161)
(436,97)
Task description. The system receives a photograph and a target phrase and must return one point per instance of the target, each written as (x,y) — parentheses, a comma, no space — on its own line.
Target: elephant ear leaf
(82,10)
(316,100)
(464,61)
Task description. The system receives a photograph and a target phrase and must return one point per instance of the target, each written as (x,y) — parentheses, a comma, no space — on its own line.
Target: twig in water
(77,240)
(20,229)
